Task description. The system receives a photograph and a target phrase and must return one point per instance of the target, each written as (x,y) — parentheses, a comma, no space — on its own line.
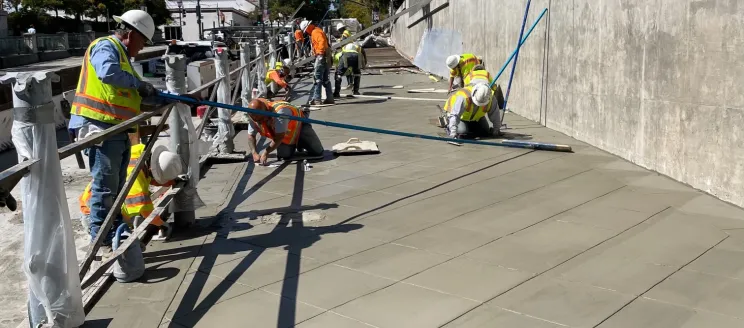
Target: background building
(184,24)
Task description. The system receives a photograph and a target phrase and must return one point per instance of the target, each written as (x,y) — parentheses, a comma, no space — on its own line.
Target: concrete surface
(427,234)
(657,82)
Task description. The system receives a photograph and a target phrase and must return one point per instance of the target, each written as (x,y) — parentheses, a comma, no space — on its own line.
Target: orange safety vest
(293,128)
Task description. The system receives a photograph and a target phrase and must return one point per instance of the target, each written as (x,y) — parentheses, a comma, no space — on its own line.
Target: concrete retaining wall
(658,82)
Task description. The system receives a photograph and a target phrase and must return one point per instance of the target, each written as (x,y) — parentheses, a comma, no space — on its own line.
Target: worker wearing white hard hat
(323,60)
(110,92)
(466,110)
(343,30)
(460,66)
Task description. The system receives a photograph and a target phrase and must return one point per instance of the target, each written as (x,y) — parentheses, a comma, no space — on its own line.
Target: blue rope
(505,143)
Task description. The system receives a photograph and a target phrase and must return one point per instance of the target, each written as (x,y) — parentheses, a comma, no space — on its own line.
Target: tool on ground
(429,90)
(354,146)
(504,143)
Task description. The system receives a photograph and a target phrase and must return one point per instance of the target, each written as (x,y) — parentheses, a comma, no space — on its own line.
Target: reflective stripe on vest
(467,62)
(104,102)
(471,113)
(356,49)
(293,127)
(478,76)
(346,34)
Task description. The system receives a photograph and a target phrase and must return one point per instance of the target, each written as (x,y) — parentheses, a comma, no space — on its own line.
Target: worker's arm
(279,80)
(453,74)
(454,116)
(252,131)
(105,60)
(494,114)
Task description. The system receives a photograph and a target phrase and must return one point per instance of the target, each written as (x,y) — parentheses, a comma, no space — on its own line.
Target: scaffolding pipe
(504,143)
(516,54)
(520,44)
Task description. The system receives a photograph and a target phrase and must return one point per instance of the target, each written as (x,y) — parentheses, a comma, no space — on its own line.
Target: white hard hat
(452,61)
(287,62)
(481,94)
(350,47)
(304,25)
(140,21)
(339,26)
(165,165)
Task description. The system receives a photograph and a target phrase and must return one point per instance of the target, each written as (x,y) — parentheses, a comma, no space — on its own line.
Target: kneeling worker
(460,66)
(466,110)
(352,58)
(166,166)
(285,136)
(276,79)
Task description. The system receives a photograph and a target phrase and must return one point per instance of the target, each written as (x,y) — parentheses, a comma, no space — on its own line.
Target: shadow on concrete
(292,234)
(514,136)
(375,93)
(357,101)
(425,190)
(97,323)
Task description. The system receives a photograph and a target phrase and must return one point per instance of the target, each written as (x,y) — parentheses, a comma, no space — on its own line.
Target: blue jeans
(108,166)
(322,76)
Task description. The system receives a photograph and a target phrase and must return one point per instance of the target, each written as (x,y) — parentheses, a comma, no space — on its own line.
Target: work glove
(146,89)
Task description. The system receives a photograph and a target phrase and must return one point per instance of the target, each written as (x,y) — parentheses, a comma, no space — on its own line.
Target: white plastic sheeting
(225,129)
(50,262)
(436,45)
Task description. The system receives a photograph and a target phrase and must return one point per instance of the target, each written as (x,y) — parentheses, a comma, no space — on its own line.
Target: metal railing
(14,45)
(253,71)
(79,40)
(51,42)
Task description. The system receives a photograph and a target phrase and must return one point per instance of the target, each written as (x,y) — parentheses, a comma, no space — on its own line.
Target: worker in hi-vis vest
(276,79)
(285,136)
(466,110)
(165,167)
(460,66)
(352,59)
(110,92)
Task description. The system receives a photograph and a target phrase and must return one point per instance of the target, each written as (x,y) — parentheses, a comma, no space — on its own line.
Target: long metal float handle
(514,53)
(505,143)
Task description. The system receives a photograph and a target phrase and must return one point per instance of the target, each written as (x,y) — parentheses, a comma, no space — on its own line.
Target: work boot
(336,95)
(357,81)
(316,102)
(329,101)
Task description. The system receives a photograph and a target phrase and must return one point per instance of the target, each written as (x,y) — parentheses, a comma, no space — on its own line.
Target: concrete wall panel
(658,82)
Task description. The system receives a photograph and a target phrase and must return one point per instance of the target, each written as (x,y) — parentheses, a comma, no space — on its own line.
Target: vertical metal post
(272,52)
(224,141)
(175,80)
(260,69)
(49,262)
(245,79)
(291,46)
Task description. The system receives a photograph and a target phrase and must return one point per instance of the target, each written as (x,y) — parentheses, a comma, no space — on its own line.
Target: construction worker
(479,74)
(460,66)
(465,112)
(299,44)
(285,136)
(166,166)
(109,92)
(343,30)
(323,60)
(352,58)
(276,79)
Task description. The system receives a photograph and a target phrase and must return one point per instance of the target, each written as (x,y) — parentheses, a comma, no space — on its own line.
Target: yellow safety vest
(477,76)
(138,201)
(471,113)
(467,62)
(104,102)
(346,34)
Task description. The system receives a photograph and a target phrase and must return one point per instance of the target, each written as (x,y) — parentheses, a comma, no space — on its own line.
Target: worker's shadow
(513,136)
(289,233)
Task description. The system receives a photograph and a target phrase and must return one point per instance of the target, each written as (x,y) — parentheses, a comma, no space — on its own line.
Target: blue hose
(516,55)
(505,143)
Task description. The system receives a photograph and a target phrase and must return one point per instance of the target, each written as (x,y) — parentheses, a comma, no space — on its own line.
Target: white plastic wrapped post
(49,260)
(261,71)
(225,129)
(183,135)
(245,78)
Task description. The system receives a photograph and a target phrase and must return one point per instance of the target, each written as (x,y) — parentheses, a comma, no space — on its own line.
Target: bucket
(130,266)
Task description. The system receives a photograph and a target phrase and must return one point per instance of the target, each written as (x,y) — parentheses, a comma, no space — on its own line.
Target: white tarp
(431,57)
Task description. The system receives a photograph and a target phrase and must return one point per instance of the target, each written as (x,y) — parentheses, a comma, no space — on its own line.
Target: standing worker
(285,136)
(465,112)
(299,44)
(276,79)
(352,58)
(323,61)
(109,92)
(460,66)
(344,31)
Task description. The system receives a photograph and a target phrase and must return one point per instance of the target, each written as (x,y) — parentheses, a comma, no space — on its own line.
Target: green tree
(313,10)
